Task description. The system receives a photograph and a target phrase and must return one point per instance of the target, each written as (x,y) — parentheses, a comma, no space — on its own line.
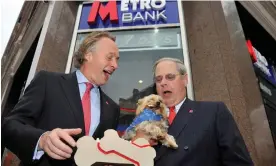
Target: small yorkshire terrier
(151,120)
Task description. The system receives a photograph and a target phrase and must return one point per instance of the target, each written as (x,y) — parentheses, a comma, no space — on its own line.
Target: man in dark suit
(56,109)
(206,132)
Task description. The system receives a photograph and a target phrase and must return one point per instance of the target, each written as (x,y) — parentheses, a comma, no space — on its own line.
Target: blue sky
(9,12)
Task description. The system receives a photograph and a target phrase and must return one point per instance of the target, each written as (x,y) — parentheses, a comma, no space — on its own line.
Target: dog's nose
(158,103)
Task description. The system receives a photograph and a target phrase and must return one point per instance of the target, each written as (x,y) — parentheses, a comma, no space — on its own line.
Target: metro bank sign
(124,13)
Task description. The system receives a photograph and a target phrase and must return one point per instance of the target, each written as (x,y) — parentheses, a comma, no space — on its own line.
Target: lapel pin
(191,111)
(106,102)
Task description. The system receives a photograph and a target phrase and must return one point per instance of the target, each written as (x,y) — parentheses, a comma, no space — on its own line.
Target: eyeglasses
(169,77)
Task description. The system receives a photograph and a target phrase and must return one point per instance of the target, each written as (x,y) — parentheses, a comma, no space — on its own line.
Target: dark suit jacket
(207,135)
(51,101)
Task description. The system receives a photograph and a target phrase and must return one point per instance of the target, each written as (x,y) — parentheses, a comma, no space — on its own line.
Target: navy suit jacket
(52,100)
(207,135)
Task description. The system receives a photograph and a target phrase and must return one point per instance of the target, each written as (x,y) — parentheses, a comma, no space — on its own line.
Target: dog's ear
(139,108)
(163,110)
(139,102)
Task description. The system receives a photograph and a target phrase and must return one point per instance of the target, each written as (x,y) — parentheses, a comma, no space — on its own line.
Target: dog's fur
(156,130)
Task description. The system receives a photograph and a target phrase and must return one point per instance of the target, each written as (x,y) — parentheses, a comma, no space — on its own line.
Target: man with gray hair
(57,108)
(206,132)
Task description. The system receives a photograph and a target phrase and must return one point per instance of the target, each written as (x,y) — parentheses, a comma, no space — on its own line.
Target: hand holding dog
(51,142)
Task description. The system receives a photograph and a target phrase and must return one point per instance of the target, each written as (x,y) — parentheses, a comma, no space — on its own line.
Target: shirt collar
(82,79)
(177,107)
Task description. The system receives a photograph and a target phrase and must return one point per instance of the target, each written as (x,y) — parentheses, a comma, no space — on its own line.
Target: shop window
(139,49)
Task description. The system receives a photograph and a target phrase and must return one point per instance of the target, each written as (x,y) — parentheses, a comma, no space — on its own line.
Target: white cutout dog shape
(113,149)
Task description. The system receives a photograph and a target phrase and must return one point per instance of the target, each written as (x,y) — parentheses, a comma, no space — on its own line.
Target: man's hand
(53,142)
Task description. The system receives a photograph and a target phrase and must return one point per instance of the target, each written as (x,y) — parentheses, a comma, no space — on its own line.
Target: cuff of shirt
(38,153)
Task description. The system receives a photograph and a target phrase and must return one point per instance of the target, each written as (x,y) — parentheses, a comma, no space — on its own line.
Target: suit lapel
(181,120)
(70,87)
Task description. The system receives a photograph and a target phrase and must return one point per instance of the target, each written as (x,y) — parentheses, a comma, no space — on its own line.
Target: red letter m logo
(109,9)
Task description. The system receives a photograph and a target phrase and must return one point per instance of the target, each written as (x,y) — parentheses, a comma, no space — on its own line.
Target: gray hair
(180,65)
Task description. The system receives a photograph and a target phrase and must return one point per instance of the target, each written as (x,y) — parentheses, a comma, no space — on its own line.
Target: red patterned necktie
(86,106)
(172,114)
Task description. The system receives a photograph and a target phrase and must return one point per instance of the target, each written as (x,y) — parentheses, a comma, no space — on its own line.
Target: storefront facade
(206,36)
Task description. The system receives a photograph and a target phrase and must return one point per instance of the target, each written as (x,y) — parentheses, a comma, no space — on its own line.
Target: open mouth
(167,92)
(154,107)
(107,73)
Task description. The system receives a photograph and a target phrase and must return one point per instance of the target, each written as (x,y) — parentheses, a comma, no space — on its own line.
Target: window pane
(139,49)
